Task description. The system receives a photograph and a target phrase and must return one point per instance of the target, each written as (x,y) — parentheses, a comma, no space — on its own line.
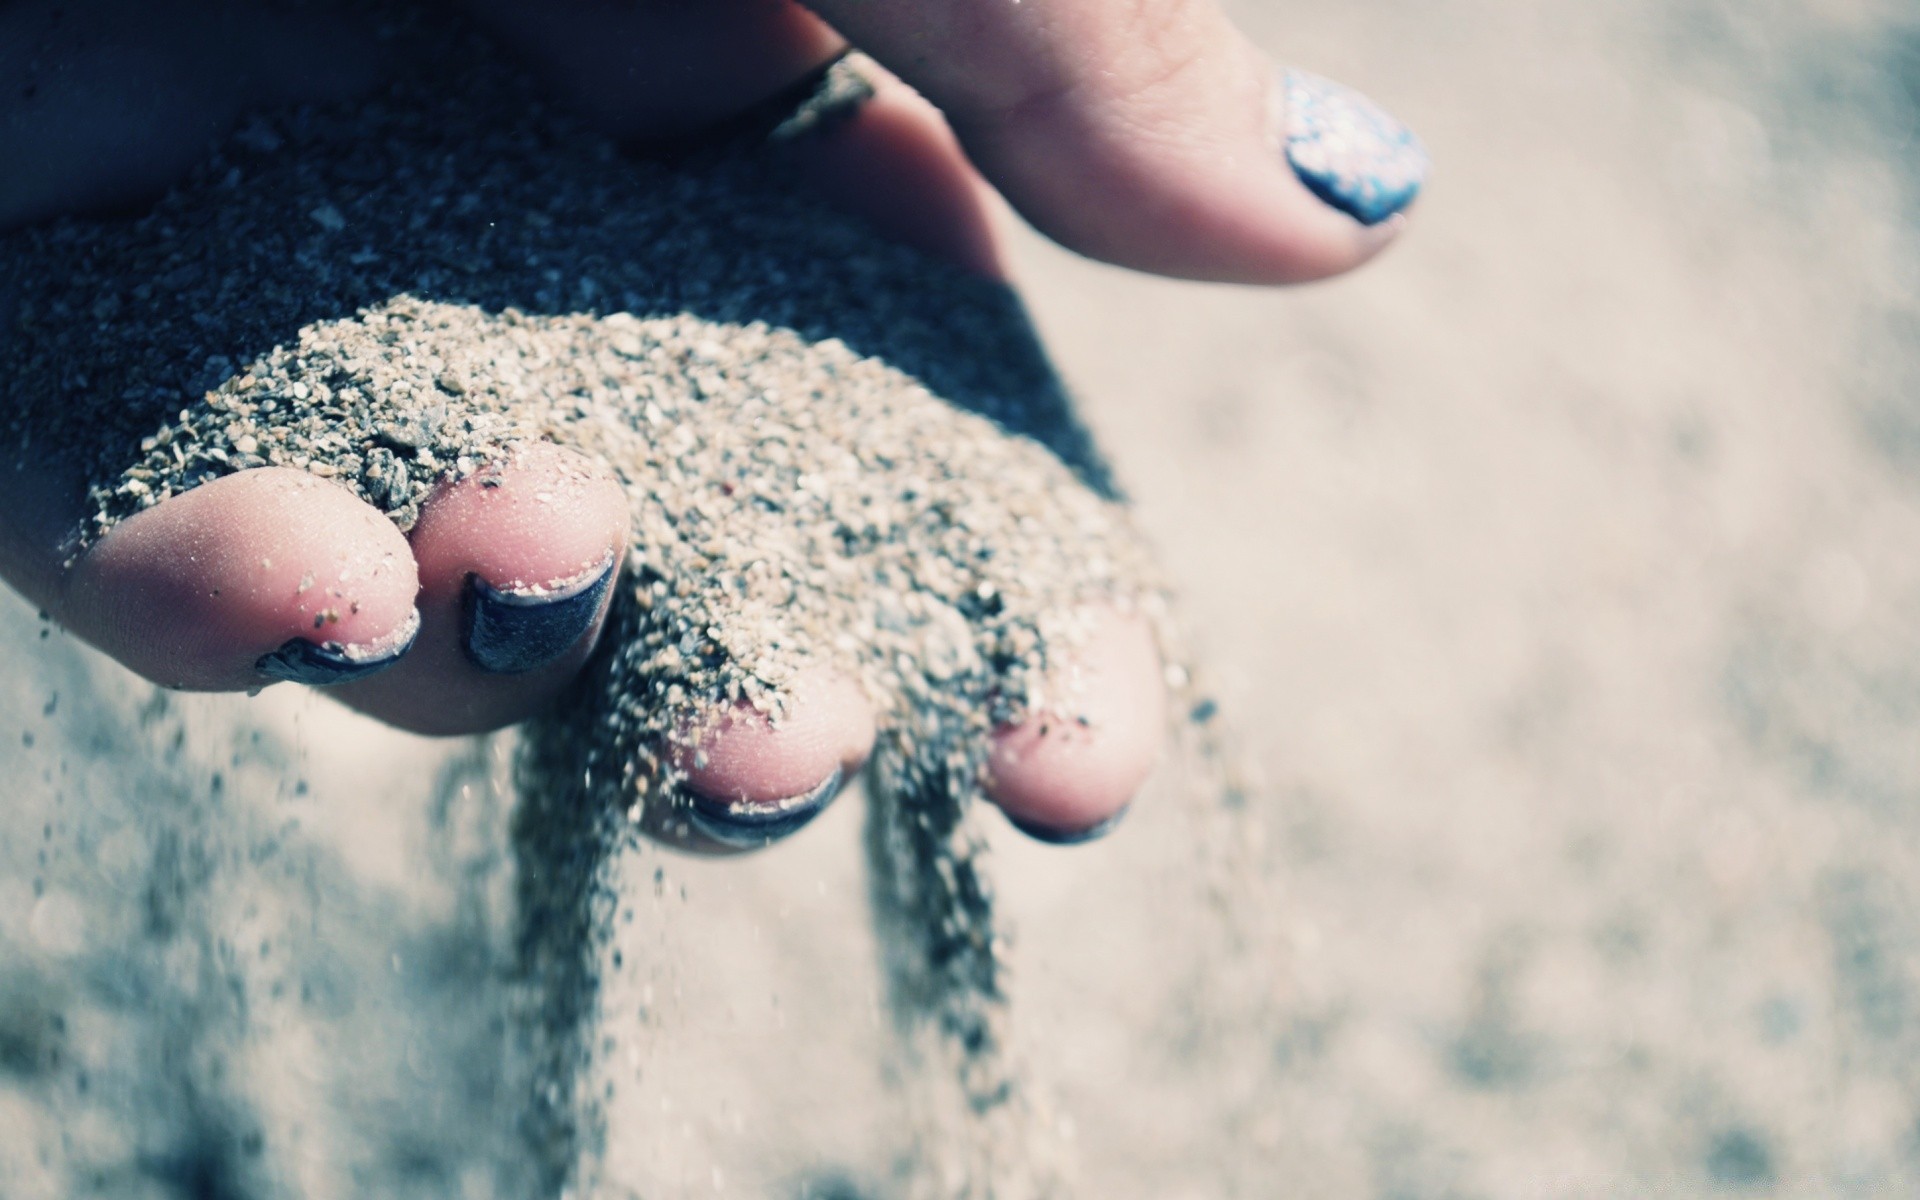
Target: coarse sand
(838,453)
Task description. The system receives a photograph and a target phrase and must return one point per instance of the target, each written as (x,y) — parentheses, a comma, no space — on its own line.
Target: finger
(1068,771)
(266,575)
(751,779)
(1151,133)
(517,564)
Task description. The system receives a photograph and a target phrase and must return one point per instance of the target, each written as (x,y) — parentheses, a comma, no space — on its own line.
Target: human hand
(126,97)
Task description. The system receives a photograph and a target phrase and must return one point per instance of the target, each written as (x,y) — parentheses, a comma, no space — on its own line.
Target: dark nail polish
(1067,837)
(509,632)
(744,825)
(1349,151)
(325,663)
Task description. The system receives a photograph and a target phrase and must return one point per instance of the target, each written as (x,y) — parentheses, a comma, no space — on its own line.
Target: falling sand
(839,454)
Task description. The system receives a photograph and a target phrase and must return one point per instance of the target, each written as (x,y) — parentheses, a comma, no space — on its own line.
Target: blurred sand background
(1561,571)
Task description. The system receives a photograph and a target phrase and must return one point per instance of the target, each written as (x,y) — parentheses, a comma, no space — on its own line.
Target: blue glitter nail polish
(747,826)
(1348,151)
(324,663)
(509,632)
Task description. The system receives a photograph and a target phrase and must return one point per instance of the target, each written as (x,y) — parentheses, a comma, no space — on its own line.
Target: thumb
(1151,133)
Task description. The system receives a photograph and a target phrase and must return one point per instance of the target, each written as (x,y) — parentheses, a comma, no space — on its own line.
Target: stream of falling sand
(812,425)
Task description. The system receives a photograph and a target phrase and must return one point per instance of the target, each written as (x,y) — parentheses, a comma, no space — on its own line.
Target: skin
(1136,131)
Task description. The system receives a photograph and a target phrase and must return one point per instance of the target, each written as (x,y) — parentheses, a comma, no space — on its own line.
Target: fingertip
(259,576)
(741,753)
(750,777)
(1068,771)
(1235,183)
(518,562)
(1154,135)
(539,518)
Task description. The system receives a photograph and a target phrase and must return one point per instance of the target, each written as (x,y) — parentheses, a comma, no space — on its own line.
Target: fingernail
(1348,150)
(743,824)
(513,631)
(324,663)
(1066,837)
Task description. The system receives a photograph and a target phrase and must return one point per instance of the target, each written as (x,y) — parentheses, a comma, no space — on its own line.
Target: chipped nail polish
(1348,150)
(512,631)
(746,825)
(325,663)
(1066,837)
